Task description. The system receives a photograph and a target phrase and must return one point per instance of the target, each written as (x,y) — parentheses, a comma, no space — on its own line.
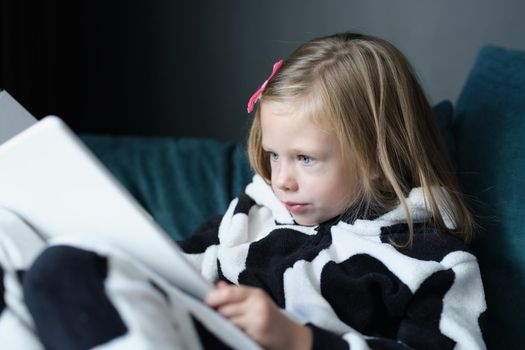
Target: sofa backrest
(180,182)
(489,135)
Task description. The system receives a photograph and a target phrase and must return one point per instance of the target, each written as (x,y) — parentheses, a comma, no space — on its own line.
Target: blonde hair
(367,93)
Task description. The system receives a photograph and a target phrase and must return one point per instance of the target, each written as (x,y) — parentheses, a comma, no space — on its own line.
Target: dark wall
(187,68)
(36,55)
(127,67)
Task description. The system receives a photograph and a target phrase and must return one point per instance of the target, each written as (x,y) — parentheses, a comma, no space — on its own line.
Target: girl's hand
(254,312)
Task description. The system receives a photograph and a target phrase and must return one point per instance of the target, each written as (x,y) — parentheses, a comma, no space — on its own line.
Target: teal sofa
(182,182)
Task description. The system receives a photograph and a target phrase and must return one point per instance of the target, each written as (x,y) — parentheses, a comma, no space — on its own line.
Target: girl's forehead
(278,108)
(283,127)
(301,110)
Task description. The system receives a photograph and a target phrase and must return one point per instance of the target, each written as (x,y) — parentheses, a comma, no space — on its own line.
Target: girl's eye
(305,159)
(274,156)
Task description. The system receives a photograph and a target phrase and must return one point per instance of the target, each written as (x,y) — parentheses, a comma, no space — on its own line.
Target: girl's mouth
(295,208)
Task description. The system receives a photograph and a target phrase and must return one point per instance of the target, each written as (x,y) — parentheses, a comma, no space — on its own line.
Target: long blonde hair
(367,92)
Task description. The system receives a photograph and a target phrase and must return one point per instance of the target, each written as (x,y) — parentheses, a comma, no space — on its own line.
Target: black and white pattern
(73,293)
(343,279)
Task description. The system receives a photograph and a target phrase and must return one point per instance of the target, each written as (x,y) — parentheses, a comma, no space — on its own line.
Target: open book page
(53,182)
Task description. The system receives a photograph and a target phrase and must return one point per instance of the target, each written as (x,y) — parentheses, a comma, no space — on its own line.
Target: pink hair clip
(257,94)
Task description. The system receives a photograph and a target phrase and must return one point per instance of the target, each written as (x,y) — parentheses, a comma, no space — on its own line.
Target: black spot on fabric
(420,328)
(270,257)
(20,275)
(205,236)
(244,204)
(428,243)
(2,291)
(365,294)
(208,340)
(323,339)
(483,322)
(220,274)
(64,292)
(386,344)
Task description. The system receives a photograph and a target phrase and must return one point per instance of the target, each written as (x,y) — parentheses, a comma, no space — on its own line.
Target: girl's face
(307,170)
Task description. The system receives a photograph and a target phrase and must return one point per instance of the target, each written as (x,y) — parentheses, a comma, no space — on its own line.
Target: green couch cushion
(489,131)
(180,182)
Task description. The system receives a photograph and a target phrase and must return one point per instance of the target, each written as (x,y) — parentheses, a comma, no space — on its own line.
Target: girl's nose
(285,179)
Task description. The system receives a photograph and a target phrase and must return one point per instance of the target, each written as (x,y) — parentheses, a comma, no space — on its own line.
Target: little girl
(351,236)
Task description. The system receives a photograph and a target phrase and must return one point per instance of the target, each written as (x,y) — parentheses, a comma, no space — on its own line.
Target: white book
(52,181)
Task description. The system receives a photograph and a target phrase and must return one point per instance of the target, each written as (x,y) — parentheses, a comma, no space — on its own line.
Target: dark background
(171,68)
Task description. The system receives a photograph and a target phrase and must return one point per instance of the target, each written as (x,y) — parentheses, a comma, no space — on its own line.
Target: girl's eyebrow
(302,151)
(306,149)
(298,151)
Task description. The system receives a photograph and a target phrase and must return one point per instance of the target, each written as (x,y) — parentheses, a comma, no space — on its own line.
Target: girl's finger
(221,284)
(226,295)
(241,322)
(231,310)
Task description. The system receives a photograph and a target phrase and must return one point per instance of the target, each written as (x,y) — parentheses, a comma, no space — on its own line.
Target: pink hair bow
(257,94)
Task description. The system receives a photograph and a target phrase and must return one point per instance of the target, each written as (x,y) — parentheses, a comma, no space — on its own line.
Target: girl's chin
(305,221)
(309,220)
